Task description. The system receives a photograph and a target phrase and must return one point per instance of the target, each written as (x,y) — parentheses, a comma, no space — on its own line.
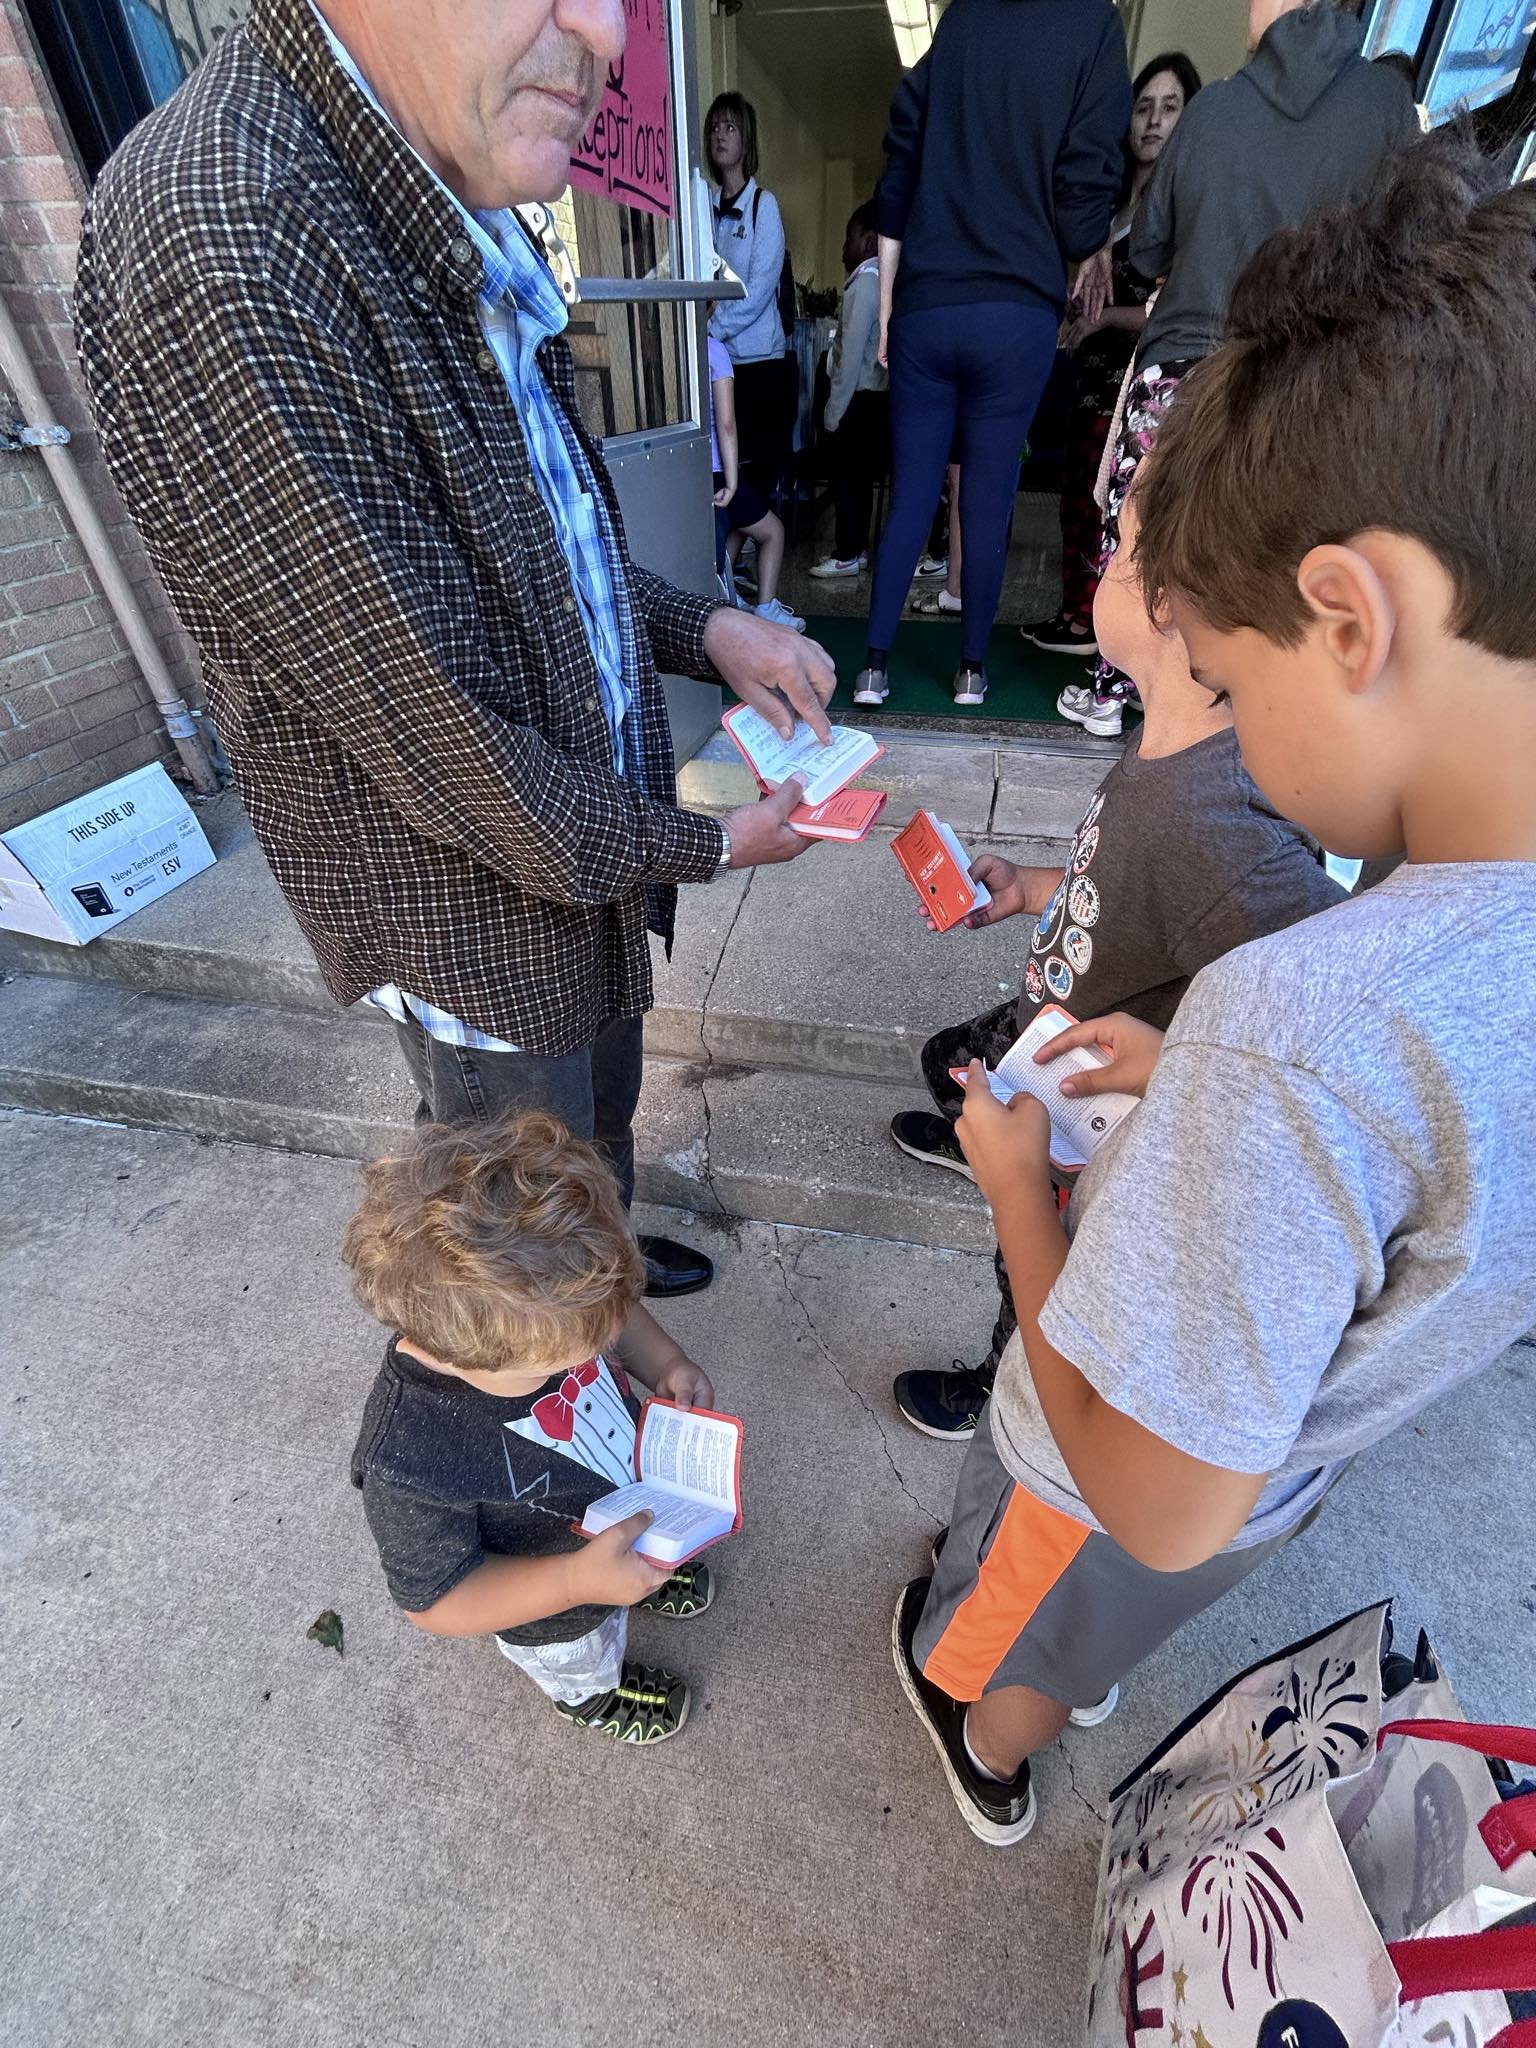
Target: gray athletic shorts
(1025,1595)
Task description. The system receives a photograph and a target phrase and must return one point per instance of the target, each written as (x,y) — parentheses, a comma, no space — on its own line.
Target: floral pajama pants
(1151,393)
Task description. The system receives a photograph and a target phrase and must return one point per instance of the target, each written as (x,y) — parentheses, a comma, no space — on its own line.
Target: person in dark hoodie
(1002,167)
(1306,124)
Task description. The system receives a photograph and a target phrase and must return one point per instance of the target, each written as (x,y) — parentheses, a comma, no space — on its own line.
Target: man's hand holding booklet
(830,809)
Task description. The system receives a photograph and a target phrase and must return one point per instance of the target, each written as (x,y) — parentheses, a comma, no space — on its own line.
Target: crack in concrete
(826,1351)
(1077,1791)
(997,791)
(708,1164)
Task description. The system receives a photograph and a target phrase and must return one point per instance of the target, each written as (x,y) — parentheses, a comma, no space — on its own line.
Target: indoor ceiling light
(913,23)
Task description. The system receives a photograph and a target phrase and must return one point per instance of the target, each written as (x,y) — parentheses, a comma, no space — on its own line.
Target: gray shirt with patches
(1177,860)
(1324,1213)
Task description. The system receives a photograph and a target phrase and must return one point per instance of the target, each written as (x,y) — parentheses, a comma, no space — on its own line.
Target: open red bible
(687,1474)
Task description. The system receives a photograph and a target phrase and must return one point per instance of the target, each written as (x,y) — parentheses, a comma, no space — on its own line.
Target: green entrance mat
(1022,683)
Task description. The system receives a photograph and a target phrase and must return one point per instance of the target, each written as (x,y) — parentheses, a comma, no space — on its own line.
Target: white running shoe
(1095,1716)
(780,614)
(1102,716)
(834,565)
(970,686)
(1075,702)
(1106,718)
(870,686)
(933,565)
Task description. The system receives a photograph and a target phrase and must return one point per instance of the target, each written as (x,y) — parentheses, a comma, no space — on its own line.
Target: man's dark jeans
(593,1091)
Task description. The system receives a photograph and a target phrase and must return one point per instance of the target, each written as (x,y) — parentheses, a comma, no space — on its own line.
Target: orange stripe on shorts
(1033,1547)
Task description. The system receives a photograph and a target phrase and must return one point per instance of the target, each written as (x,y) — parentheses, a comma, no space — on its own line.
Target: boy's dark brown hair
(1380,372)
(495,1247)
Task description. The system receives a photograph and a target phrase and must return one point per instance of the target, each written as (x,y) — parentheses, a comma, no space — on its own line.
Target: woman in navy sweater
(1003,164)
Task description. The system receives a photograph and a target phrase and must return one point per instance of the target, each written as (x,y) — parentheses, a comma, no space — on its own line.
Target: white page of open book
(680,1523)
(694,1453)
(821,770)
(1079,1124)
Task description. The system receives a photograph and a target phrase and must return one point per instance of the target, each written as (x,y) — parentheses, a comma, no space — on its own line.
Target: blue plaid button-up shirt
(520,309)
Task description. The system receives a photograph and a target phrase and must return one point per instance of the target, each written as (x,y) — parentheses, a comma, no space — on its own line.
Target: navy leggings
(966,378)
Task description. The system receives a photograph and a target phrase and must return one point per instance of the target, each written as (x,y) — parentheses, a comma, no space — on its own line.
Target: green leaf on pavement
(325,1629)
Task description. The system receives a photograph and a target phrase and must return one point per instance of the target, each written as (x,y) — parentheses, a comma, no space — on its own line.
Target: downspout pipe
(17,370)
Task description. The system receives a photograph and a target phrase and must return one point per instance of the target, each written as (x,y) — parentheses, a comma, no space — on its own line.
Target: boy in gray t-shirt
(1323,1214)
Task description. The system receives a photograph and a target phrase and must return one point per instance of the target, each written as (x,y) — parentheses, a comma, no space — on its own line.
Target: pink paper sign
(627,152)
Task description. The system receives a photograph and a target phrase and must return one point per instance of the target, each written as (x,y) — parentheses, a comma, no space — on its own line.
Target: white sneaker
(870,686)
(1105,718)
(933,565)
(970,686)
(834,565)
(1075,702)
(1096,1716)
(781,615)
(1102,716)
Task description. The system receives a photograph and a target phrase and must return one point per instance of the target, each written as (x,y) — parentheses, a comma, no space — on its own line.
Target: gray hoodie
(1305,124)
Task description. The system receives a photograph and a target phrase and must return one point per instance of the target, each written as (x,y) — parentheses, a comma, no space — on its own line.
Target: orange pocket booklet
(847,816)
(688,1475)
(935,864)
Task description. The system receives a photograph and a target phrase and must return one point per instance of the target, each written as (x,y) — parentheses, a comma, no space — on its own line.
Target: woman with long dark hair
(1305,125)
(1103,348)
(749,235)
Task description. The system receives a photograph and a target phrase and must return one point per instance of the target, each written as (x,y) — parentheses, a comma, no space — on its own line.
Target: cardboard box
(73,873)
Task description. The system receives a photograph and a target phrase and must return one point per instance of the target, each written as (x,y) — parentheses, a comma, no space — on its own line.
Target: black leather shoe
(672,1268)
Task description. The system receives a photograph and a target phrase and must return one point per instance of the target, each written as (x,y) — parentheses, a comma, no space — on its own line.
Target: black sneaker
(647,1705)
(922,1134)
(689,1591)
(945,1404)
(1061,635)
(996,1814)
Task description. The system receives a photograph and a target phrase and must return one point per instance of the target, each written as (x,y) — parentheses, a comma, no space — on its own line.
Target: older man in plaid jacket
(327,369)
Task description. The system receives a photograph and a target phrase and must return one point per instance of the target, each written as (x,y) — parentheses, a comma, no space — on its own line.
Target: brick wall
(74,709)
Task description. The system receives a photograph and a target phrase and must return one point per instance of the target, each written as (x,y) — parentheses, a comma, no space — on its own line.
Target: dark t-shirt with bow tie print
(450,1476)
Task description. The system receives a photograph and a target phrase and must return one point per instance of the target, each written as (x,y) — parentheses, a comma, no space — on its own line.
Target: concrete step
(820,967)
(787,1148)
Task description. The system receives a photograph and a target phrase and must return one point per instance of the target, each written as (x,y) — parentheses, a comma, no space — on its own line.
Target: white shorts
(575,1671)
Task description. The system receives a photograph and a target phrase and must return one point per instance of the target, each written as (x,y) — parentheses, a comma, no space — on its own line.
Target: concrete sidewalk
(218,1833)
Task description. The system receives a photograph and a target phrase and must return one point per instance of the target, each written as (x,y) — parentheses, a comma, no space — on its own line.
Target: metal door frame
(662,476)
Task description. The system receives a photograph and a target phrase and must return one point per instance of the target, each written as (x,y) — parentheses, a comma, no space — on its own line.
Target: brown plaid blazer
(276,312)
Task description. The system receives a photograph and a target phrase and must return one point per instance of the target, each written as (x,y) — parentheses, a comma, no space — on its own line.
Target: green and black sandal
(689,1591)
(647,1705)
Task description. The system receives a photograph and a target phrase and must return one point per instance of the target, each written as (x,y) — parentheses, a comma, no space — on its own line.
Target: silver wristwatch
(725,850)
